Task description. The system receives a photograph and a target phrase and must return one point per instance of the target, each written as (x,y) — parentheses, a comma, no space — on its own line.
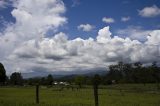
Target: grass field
(115,95)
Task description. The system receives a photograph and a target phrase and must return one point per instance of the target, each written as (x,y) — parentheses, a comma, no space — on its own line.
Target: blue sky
(77,35)
(92,11)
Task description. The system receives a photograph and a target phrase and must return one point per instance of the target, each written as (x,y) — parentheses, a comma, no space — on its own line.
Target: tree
(16,78)
(7,80)
(34,81)
(96,80)
(115,72)
(156,73)
(49,79)
(43,81)
(2,73)
(134,73)
(79,80)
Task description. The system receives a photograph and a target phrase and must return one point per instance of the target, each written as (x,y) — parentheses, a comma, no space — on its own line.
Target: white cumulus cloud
(86,27)
(104,35)
(108,20)
(26,48)
(125,19)
(63,54)
(152,11)
(33,19)
(134,32)
(3,4)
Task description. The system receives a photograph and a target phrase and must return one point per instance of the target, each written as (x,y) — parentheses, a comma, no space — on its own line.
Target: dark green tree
(16,78)
(34,81)
(49,79)
(134,73)
(115,72)
(2,74)
(156,73)
(96,79)
(43,81)
(79,80)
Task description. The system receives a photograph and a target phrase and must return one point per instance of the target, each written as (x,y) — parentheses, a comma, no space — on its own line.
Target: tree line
(133,73)
(118,73)
(17,79)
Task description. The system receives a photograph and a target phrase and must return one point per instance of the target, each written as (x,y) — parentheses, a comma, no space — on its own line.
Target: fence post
(96,81)
(37,94)
(96,94)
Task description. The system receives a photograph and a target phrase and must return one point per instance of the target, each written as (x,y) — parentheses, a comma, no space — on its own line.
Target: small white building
(61,83)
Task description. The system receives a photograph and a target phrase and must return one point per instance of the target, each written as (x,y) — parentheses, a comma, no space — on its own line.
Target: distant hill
(89,74)
(60,74)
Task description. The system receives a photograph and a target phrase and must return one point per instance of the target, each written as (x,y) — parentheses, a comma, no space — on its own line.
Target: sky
(77,35)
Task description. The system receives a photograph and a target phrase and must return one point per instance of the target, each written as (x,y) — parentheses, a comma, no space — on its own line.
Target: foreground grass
(116,95)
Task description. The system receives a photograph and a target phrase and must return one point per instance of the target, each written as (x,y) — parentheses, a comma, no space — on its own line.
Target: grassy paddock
(114,95)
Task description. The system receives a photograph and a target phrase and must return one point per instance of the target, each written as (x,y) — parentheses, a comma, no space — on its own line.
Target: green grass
(115,95)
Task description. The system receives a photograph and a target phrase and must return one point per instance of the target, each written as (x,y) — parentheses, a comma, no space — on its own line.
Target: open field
(115,95)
